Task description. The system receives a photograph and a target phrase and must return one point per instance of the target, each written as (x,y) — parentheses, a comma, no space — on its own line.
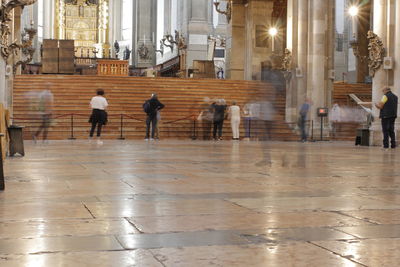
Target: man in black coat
(388,115)
(155,106)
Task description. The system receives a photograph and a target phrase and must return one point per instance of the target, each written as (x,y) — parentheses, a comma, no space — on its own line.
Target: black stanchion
(194,136)
(121,137)
(322,127)
(72,128)
(2,185)
(312,130)
(250,129)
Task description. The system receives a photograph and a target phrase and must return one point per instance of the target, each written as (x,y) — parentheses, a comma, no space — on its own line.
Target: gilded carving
(85,22)
(287,60)
(8,48)
(27,49)
(143,52)
(376,53)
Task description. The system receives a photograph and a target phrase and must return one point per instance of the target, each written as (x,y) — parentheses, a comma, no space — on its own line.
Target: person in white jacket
(234,115)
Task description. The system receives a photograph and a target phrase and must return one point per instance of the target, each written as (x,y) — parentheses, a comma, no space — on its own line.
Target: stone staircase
(183,99)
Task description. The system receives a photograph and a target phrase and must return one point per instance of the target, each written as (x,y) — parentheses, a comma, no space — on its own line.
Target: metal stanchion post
(72,128)
(194,137)
(250,128)
(2,185)
(322,125)
(121,137)
(312,130)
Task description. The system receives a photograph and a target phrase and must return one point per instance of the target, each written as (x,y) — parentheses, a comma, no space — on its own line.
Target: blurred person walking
(206,118)
(98,118)
(219,115)
(304,109)
(248,116)
(388,115)
(45,109)
(157,131)
(151,107)
(234,116)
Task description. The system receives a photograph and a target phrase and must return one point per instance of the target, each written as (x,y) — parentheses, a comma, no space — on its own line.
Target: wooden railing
(112,67)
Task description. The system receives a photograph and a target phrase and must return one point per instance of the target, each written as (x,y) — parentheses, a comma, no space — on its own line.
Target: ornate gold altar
(86,22)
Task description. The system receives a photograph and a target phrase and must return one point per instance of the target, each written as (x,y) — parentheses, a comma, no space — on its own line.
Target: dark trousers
(388,131)
(302,125)
(206,129)
(99,126)
(247,127)
(44,127)
(151,119)
(218,125)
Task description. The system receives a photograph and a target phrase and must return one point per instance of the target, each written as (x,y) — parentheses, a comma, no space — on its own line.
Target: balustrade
(112,67)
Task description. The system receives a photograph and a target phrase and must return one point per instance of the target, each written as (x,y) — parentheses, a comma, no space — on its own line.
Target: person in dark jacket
(388,115)
(155,106)
(219,115)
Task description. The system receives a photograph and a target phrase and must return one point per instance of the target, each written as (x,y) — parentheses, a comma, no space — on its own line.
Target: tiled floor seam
(134,225)
(91,214)
(337,254)
(347,215)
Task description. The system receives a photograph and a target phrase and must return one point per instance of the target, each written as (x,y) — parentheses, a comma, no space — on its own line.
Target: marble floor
(194,203)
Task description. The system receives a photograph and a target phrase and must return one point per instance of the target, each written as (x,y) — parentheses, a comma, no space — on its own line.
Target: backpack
(146,107)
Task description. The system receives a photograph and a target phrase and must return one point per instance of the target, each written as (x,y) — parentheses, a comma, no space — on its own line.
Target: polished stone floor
(194,203)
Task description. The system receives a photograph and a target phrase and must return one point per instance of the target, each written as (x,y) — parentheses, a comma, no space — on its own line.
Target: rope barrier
(182,119)
(121,122)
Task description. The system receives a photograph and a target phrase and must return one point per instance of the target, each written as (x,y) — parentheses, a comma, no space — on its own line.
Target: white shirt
(98,102)
(234,112)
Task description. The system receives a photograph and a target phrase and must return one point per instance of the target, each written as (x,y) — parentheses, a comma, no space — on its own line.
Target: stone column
(167,17)
(48,20)
(236,43)
(292,45)
(318,72)
(380,79)
(396,75)
(301,72)
(198,30)
(146,13)
(115,28)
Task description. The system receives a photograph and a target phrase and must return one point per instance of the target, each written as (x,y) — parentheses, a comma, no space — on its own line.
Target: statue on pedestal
(116,48)
(127,53)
